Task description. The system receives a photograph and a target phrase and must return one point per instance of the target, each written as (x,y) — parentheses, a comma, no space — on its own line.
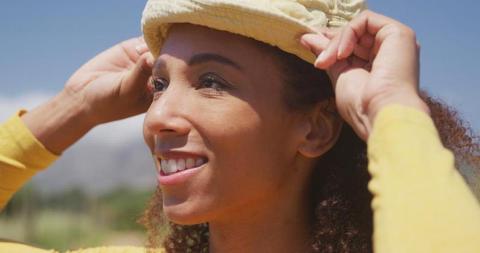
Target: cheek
(248,160)
(250,152)
(148,138)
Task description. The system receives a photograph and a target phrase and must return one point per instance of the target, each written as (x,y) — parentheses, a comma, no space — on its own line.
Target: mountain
(109,157)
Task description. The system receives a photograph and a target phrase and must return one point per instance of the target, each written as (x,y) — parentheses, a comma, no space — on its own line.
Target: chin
(184,214)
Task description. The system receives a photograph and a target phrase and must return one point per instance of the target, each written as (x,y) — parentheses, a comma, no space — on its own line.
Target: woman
(251,150)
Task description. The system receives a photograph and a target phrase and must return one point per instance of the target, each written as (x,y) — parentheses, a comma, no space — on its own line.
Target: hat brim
(274,28)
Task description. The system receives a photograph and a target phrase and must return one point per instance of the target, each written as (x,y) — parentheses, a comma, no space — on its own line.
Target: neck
(282,225)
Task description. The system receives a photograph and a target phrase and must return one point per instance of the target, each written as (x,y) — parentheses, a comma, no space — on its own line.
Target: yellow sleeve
(118,249)
(21,156)
(20,248)
(420,202)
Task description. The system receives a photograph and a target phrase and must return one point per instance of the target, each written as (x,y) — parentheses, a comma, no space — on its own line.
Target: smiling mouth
(168,167)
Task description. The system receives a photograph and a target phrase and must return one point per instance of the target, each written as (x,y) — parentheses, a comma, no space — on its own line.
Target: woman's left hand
(373,61)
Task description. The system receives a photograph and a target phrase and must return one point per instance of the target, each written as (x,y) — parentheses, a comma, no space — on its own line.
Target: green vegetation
(72,219)
(123,207)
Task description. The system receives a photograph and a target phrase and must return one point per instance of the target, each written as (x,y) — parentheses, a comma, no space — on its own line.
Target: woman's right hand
(111,86)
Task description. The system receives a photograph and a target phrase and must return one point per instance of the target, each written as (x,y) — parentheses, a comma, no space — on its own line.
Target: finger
(316,43)
(366,41)
(357,62)
(141,48)
(335,70)
(347,43)
(351,63)
(362,30)
(331,32)
(362,52)
(369,22)
(357,32)
(390,38)
(134,48)
(149,59)
(329,56)
(143,69)
(136,80)
(327,32)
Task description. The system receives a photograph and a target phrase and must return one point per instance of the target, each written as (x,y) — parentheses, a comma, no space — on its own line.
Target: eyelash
(161,84)
(211,78)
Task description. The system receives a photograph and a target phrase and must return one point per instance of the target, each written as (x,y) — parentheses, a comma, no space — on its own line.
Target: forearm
(404,98)
(421,203)
(361,112)
(60,122)
(21,157)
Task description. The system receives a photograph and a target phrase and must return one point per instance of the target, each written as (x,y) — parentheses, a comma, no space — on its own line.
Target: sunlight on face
(218,125)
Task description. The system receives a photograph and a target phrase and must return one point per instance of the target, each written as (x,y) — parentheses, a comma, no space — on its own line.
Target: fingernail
(322,57)
(302,42)
(307,39)
(150,61)
(319,60)
(142,48)
(340,52)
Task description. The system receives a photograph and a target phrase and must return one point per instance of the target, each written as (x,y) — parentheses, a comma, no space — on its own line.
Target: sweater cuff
(20,148)
(397,116)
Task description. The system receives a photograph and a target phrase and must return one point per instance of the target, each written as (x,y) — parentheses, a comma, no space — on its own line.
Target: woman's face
(218,126)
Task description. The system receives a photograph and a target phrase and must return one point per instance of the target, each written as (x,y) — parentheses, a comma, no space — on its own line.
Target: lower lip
(178,177)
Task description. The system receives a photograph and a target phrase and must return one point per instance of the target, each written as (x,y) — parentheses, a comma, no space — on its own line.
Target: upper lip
(178,154)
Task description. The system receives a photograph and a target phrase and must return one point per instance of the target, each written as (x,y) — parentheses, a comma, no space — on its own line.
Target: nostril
(167,131)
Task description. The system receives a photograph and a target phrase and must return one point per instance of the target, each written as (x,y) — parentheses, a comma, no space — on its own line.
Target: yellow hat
(276,22)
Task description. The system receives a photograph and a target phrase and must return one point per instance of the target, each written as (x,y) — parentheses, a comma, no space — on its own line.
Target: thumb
(135,84)
(143,67)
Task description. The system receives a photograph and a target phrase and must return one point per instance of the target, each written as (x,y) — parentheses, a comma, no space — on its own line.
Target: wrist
(408,99)
(60,122)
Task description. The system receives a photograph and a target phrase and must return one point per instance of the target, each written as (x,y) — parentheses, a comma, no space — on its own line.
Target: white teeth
(171,166)
(199,162)
(180,164)
(190,163)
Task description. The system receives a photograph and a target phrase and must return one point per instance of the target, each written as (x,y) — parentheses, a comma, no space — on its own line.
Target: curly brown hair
(340,198)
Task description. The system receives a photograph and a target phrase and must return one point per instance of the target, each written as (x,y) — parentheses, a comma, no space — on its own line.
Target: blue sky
(43,42)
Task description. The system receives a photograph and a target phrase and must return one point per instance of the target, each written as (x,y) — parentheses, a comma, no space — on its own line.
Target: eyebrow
(210,57)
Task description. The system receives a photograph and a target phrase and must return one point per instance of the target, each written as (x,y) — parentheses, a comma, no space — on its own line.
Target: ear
(320,129)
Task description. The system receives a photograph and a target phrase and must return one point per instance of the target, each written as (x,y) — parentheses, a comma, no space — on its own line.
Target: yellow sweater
(421,203)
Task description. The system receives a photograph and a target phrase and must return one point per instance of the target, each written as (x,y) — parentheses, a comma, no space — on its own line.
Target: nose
(166,116)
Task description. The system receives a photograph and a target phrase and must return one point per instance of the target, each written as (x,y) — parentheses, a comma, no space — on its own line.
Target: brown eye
(159,84)
(212,81)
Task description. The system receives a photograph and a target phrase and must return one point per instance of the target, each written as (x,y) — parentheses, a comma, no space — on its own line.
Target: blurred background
(96,191)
